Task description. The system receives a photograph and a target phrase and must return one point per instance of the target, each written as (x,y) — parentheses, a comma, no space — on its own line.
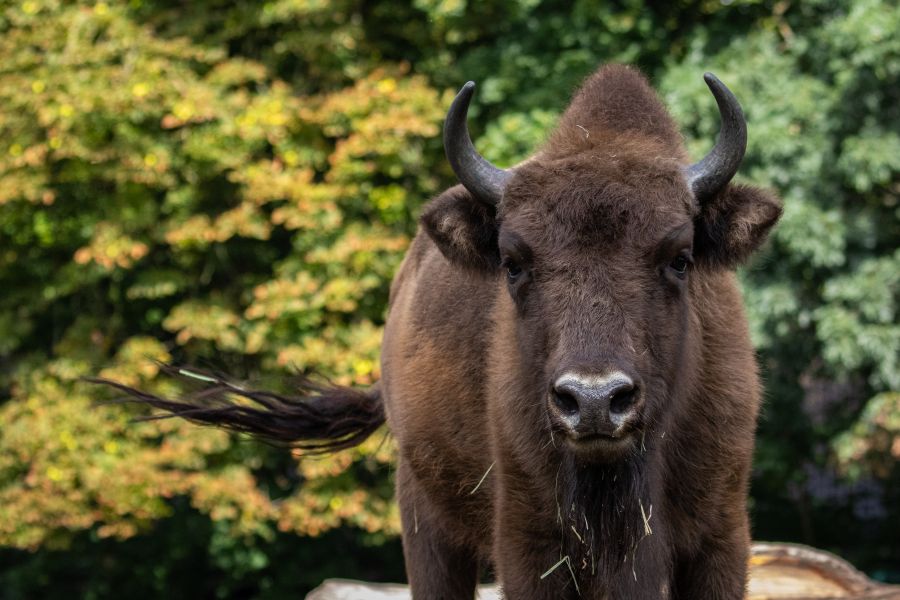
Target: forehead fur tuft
(615,102)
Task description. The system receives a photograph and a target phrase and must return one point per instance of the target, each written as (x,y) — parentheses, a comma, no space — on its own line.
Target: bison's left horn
(718,167)
(481,178)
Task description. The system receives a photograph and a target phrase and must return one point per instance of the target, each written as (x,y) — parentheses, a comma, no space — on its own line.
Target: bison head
(603,247)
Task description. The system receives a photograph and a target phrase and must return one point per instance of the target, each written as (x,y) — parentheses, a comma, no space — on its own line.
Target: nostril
(622,400)
(566,402)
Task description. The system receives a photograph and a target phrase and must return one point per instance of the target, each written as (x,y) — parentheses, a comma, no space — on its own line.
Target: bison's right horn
(717,168)
(481,178)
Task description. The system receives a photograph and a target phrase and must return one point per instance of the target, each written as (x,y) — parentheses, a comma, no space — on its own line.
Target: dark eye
(513,271)
(680,264)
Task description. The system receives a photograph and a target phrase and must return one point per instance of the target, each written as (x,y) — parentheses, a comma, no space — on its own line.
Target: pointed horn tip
(715,84)
(467,90)
(719,90)
(464,95)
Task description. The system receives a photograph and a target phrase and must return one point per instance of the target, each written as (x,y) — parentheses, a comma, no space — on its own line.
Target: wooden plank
(777,572)
(782,571)
(346,589)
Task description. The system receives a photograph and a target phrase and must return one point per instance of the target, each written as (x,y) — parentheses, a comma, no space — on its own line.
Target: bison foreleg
(718,571)
(529,561)
(437,569)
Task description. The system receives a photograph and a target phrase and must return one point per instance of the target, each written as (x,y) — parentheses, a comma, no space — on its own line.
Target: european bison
(566,365)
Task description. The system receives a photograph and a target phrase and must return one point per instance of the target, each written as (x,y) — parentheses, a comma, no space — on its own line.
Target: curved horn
(711,174)
(481,178)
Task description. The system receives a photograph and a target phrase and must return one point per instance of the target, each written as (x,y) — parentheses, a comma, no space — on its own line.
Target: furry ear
(464,229)
(734,224)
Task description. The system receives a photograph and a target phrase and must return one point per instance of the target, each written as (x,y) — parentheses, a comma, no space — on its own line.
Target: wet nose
(592,404)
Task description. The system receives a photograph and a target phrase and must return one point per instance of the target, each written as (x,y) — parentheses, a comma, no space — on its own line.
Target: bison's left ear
(464,229)
(733,224)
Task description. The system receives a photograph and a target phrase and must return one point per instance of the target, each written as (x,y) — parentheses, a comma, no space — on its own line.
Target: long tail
(320,418)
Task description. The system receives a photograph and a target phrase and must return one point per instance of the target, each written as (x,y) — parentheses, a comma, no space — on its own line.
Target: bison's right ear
(464,229)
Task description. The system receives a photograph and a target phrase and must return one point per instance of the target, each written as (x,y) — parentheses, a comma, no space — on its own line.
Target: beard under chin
(604,511)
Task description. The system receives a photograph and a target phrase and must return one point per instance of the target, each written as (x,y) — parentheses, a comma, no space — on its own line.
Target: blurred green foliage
(234,184)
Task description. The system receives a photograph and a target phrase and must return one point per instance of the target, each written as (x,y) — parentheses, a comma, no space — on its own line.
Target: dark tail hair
(319,419)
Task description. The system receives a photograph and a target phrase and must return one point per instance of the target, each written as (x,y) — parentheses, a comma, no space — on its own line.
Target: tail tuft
(319,419)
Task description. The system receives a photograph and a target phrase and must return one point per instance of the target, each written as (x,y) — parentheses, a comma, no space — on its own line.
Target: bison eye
(680,264)
(513,271)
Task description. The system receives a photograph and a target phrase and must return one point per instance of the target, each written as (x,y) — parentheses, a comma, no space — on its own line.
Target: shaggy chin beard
(601,514)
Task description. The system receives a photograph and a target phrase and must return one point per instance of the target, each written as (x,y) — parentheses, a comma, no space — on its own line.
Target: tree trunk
(777,572)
